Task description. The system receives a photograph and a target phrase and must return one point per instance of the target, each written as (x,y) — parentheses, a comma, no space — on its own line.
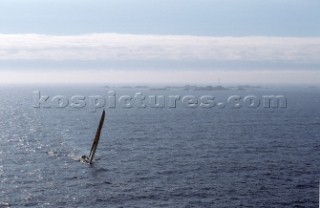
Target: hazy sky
(174,41)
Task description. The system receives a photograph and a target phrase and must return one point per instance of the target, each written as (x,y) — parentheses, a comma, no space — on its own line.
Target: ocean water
(160,157)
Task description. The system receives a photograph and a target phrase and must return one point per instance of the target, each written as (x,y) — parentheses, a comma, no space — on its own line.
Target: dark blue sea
(184,157)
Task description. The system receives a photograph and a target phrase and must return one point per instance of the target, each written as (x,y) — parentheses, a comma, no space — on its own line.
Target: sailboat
(89,159)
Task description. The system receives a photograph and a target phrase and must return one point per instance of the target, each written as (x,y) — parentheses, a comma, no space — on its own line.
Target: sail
(97,137)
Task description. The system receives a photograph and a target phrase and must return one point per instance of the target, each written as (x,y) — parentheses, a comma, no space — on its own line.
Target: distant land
(191,88)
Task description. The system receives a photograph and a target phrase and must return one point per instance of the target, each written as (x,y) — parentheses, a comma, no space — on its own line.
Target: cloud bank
(122,47)
(127,58)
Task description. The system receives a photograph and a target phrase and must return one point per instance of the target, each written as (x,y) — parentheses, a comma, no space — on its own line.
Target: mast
(97,137)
